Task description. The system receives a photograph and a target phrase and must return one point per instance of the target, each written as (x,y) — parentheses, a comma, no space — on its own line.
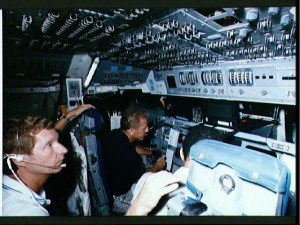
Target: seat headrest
(273,173)
(93,120)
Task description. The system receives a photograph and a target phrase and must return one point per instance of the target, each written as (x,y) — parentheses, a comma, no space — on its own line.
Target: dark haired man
(122,156)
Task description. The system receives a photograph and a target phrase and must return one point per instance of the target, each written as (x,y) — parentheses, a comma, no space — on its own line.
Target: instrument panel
(271,81)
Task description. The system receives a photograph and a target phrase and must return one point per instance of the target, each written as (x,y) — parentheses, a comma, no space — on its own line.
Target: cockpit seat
(233,180)
(101,196)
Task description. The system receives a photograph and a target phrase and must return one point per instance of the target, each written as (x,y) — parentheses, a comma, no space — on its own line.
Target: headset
(21,158)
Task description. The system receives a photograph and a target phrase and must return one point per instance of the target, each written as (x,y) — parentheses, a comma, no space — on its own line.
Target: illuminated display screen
(171,82)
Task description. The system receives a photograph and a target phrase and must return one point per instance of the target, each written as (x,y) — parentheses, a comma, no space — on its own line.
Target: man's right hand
(160,163)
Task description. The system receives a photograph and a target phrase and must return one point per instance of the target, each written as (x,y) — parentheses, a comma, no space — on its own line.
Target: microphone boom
(53,167)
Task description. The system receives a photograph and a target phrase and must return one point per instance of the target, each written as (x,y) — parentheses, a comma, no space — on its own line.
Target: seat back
(101,198)
(233,180)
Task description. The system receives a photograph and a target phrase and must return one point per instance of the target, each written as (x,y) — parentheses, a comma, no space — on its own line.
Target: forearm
(64,120)
(142,151)
(62,123)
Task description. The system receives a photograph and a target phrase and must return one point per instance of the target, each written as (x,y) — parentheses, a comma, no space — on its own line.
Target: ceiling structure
(155,39)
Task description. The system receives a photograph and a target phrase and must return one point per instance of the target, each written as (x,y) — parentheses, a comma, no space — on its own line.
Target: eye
(49,145)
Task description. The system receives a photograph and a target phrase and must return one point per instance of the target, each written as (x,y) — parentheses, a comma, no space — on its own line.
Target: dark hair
(131,117)
(19,134)
(196,134)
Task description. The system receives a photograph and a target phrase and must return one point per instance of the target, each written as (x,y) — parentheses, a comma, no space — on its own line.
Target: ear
(131,131)
(19,164)
(181,154)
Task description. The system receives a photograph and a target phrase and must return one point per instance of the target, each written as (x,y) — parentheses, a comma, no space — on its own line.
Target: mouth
(61,162)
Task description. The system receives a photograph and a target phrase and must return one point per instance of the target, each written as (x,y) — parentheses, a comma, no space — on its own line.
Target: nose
(61,149)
